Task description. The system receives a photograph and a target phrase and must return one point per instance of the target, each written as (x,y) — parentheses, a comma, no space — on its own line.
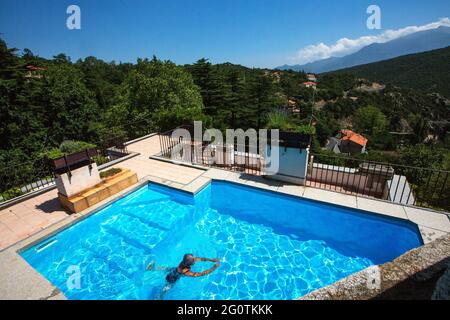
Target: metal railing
(24,178)
(401,184)
(233,157)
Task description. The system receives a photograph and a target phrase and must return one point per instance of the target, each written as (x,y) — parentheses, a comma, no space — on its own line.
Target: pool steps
(128,269)
(134,231)
(141,226)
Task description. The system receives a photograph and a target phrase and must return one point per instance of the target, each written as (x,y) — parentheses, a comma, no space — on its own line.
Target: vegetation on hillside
(427,72)
(92,100)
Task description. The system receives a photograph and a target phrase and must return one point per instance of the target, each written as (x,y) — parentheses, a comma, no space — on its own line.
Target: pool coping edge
(193,187)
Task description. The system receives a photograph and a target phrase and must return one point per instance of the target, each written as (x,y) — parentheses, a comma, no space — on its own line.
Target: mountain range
(414,43)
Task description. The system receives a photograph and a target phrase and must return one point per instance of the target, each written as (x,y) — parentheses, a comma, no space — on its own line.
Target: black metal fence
(393,182)
(24,178)
(401,184)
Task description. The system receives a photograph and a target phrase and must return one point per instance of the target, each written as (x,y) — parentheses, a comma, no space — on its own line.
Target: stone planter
(70,184)
(105,189)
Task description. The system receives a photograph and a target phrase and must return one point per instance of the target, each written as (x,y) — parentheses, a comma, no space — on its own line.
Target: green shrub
(306,129)
(54,154)
(11,194)
(277,120)
(99,160)
(69,147)
(109,172)
(280,120)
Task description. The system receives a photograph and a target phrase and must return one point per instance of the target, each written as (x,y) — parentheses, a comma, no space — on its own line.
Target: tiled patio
(28,217)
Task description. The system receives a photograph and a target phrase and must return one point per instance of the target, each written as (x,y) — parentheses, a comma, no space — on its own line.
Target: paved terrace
(31,216)
(40,216)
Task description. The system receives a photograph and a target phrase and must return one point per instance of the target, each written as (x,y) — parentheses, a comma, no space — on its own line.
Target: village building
(310,84)
(34,72)
(347,142)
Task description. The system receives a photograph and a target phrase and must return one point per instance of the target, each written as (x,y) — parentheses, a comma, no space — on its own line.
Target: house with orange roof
(352,142)
(348,142)
(310,84)
(34,72)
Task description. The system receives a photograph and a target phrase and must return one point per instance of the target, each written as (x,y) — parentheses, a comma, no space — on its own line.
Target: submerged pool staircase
(135,232)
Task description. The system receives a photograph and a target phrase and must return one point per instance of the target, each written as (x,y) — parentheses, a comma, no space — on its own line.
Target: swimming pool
(271,246)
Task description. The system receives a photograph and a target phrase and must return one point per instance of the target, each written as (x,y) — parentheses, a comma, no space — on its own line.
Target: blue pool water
(271,246)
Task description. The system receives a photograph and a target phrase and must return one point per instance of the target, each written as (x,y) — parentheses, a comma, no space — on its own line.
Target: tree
(71,109)
(103,79)
(157,95)
(291,84)
(94,100)
(431,187)
(334,85)
(419,127)
(9,62)
(326,127)
(214,89)
(61,58)
(370,121)
(423,156)
(235,101)
(262,99)
(11,92)
(38,113)
(30,58)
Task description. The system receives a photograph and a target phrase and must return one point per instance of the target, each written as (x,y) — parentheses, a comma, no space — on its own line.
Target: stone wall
(414,275)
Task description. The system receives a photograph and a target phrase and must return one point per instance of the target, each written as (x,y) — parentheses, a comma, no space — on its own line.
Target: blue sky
(256,33)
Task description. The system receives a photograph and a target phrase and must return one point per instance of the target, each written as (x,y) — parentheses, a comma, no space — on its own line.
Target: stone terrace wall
(414,275)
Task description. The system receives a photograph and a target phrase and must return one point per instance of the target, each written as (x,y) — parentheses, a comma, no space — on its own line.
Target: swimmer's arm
(201,274)
(207,259)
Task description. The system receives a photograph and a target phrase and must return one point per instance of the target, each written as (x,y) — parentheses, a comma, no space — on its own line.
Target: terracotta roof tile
(354,137)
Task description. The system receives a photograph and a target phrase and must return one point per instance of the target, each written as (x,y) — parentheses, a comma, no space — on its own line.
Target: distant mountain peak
(414,43)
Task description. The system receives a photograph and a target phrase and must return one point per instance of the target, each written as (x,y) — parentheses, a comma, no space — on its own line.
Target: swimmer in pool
(183,269)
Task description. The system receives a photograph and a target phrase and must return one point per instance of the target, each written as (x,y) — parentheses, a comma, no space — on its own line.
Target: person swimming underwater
(183,269)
